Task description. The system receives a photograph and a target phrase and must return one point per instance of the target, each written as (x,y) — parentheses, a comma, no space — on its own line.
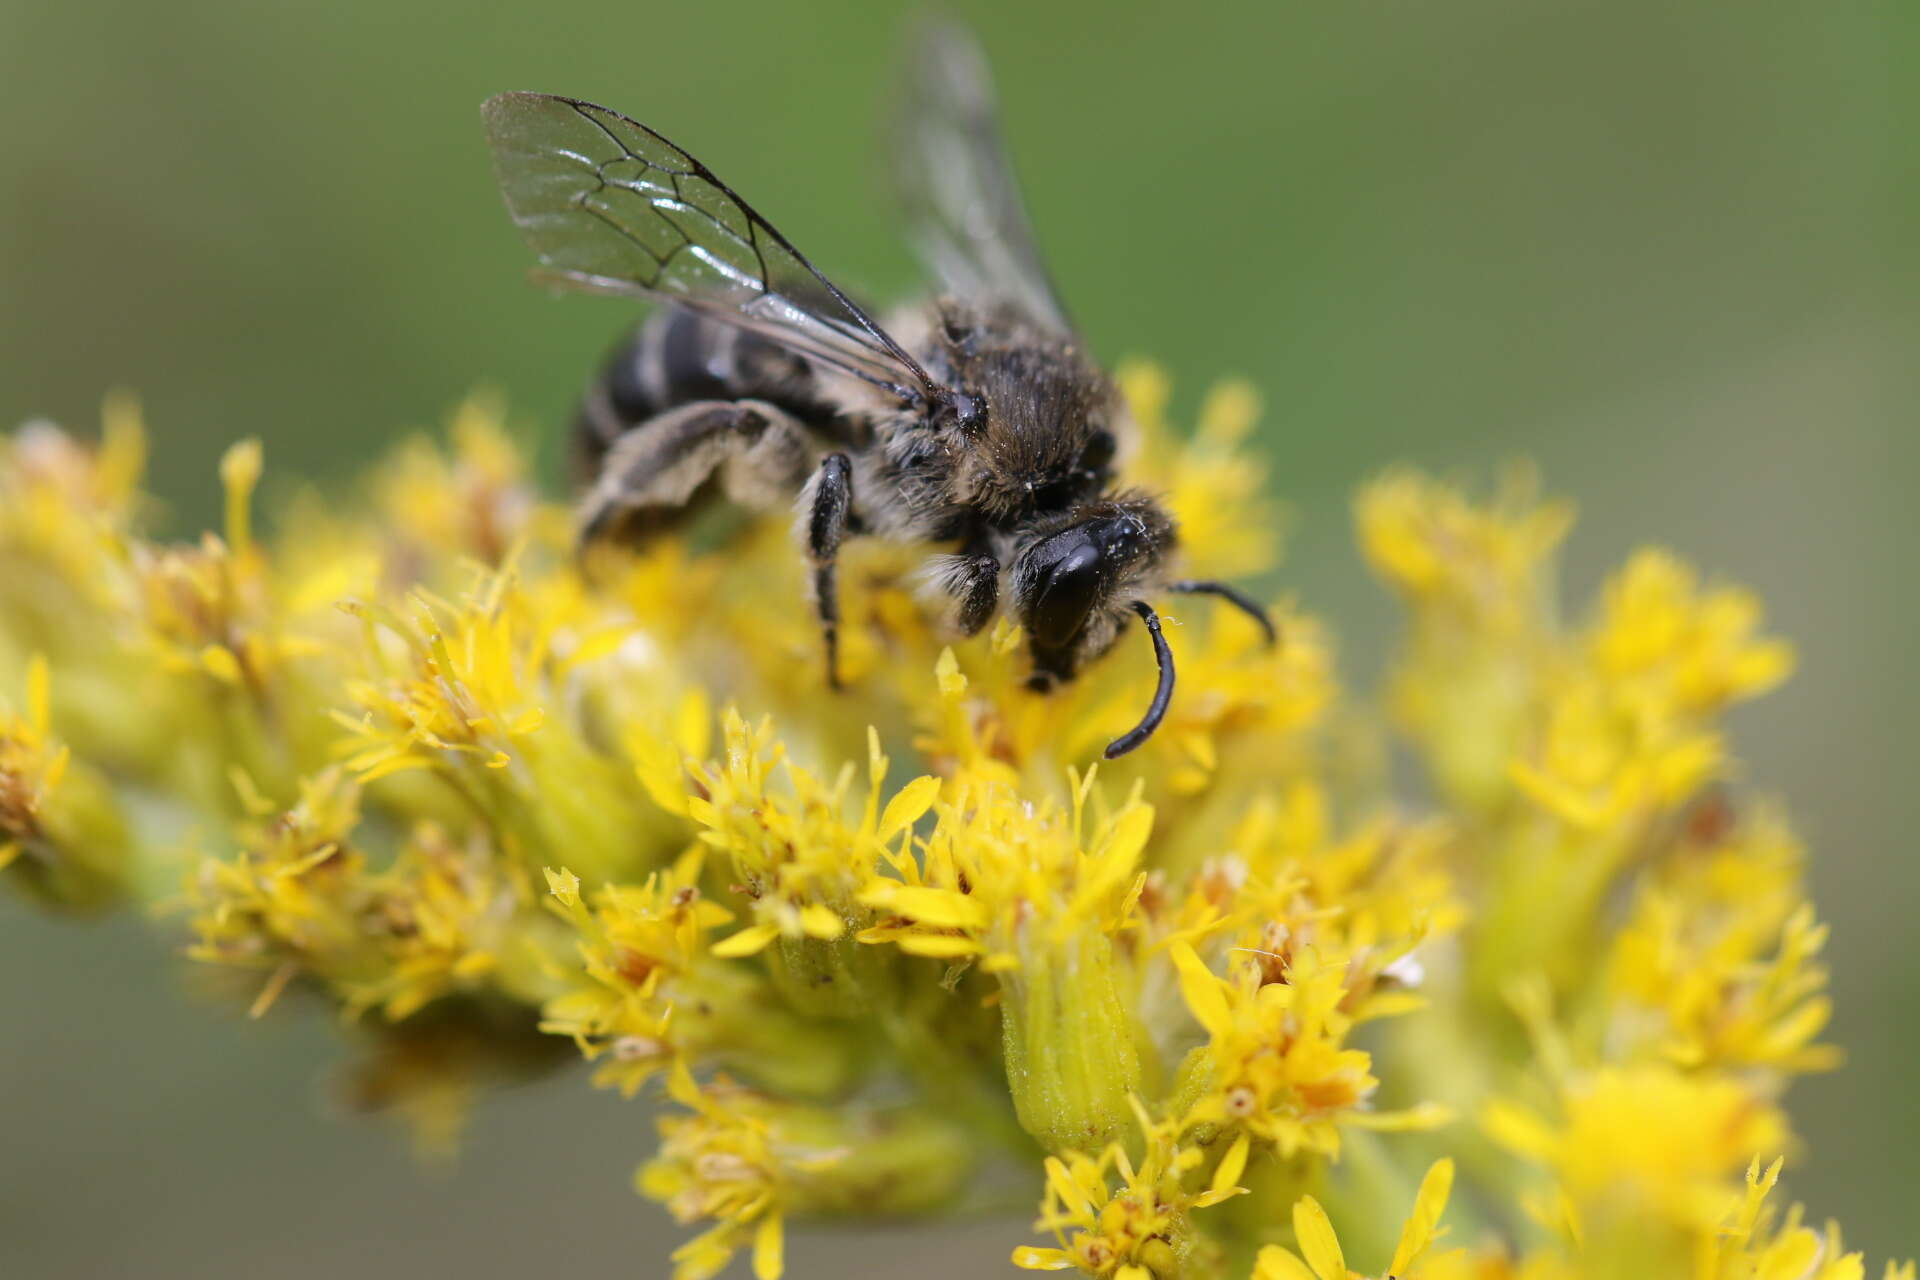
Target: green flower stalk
(1236,1007)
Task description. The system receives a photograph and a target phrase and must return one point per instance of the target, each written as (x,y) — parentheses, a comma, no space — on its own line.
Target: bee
(976,421)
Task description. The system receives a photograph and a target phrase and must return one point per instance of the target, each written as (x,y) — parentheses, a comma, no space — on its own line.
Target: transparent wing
(956,181)
(610,206)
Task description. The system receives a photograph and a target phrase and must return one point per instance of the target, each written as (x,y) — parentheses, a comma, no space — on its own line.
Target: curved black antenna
(1233,596)
(1162,695)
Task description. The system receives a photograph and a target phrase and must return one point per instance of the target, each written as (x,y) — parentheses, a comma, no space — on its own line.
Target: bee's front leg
(826,506)
(973,579)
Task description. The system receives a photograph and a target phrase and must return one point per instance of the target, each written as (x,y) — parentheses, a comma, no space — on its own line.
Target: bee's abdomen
(676,357)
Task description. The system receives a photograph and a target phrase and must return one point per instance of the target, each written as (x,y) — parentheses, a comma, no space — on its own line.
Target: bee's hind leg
(825,509)
(654,472)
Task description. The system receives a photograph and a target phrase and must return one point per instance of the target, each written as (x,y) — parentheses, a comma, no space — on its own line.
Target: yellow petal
(907,805)
(39,697)
(1031,1258)
(56,768)
(1129,834)
(658,767)
(1317,1240)
(1428,1115)
(947,672)
(1205,994)
(1518,1129)
(239,473)
(822,922)
(1276,1263)
(941,908)
(1227,1176)
(563,884)
(748,941)
(1427,1208)
(769,1249)
(219,662)
(938,946)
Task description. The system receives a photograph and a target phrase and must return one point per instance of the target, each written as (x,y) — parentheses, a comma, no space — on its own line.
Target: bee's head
(1076,576)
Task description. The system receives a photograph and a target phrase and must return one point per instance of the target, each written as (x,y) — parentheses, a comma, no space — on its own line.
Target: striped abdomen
(676,357)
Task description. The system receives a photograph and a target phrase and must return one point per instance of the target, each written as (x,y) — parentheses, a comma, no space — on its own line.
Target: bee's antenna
(1233,596)
(1162,695)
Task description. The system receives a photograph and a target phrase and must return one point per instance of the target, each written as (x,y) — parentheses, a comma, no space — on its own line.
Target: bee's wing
(956,181)
(610,206)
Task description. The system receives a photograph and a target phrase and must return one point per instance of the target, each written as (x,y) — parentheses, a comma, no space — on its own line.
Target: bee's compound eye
(1067,584)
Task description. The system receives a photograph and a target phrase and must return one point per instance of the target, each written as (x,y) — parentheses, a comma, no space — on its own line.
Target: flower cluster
(507,807)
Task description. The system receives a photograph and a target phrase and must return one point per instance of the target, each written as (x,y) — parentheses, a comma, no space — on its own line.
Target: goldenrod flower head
(61,834)
(31,766)
(1716,964)
(1486,567)
(478,502)
(64,509)
(1479,582)
(745,1161)
(888,951)
(1753,1243)
(1693,651)
(1276,1064)
(1131,1221)
(1644,1144)
(727,1161)
(301,899)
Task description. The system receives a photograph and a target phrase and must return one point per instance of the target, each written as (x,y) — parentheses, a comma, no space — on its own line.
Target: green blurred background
(1650,245)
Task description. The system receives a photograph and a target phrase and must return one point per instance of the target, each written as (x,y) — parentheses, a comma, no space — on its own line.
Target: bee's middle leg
(825,508)
(651,474)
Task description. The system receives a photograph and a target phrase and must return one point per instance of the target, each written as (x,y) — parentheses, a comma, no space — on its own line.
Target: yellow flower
(1288,878)
(1479,582)
(1037,894)
(1716,964)
(726,1161)
(650,992)
(1275,1065)
(1324,1258)
(61,831)
(65,512)
(478,503)
(31,766)
(463,690)
(1752,1244)
(1141,1227)
(1696,652)
(745,1161)
(1646,1144)
(799,862)
(302,900)
(1488,566)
